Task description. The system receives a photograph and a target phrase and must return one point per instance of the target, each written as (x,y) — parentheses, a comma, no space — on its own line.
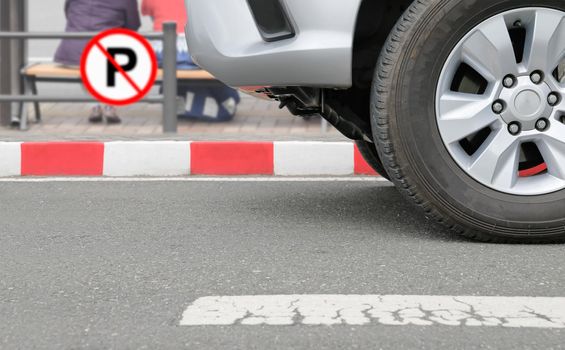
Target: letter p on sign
(118,67)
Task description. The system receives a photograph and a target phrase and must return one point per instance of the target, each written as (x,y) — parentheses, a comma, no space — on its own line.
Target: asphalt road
(114,265)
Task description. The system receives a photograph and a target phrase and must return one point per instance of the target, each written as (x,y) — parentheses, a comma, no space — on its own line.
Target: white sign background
(96,68)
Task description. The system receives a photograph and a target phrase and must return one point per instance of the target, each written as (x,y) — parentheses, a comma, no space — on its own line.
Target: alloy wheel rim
(500,102)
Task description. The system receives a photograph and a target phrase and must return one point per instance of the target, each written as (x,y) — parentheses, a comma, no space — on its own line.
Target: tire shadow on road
(362,208)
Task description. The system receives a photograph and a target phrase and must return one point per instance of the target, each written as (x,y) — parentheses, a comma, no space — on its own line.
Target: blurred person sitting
(95,16)
(206,103)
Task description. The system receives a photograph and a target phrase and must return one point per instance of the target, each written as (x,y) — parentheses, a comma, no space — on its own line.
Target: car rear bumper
(224,39)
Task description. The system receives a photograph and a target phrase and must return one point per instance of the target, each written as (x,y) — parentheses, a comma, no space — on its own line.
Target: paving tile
(254,117)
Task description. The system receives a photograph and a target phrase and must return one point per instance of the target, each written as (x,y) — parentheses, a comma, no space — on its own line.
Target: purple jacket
(94,16)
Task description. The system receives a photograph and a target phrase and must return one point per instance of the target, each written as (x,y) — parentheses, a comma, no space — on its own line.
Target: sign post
(170,121)
(13,53)
(5,84)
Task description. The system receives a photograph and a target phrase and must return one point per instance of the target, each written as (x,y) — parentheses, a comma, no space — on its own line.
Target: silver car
(460,103)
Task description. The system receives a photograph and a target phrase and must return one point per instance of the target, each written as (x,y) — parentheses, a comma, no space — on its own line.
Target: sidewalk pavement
(255,120)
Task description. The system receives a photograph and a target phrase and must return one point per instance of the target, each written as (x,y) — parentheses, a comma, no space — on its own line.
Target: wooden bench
(54,73)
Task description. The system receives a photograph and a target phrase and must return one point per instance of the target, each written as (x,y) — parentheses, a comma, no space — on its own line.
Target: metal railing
(13,18)
(169,66)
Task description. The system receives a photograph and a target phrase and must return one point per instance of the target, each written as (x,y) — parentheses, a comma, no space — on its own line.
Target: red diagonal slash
(118,67)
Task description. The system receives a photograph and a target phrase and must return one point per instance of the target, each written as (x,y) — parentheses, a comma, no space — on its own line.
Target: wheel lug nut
(542,124)
(536,77)
(498,107)
(553,99)
(514,128)
(509,81)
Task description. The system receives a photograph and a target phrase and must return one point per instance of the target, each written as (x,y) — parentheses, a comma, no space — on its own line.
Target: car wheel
(468,113)
(371,156)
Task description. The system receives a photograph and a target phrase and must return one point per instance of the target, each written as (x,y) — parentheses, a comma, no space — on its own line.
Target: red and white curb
(181,158)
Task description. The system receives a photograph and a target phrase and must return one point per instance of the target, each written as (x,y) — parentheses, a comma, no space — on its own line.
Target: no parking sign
(118,67)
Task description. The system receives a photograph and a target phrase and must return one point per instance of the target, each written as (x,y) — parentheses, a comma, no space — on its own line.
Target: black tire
(408,139)
(371,156)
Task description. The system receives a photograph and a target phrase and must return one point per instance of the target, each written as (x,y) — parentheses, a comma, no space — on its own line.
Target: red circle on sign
(94,43)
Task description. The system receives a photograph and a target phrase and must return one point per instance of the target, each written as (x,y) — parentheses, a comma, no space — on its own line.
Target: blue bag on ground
(212,103)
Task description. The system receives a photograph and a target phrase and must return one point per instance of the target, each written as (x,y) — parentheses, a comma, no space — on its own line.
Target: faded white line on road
(393,310)
(195,179)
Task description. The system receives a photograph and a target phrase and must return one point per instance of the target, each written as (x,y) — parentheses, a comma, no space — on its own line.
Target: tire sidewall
(414,132)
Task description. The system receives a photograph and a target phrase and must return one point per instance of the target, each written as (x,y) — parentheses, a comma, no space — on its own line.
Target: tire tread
(382,86)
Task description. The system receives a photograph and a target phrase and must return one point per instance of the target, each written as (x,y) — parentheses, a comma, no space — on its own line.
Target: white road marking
(194,179)
(393,310)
